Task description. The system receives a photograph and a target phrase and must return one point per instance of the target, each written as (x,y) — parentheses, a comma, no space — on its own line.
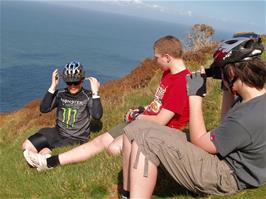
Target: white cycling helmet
(73,72)
(238,49)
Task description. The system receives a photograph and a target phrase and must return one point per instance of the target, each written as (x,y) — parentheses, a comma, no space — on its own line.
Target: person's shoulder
(87,92)
(185,71)
(61,91)
(181,76)
(166,74)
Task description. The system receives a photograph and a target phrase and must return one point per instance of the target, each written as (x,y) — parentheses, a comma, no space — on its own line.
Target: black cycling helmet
(238,49)
(73,72)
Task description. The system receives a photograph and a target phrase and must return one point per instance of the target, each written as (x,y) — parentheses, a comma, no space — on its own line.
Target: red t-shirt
(172,95)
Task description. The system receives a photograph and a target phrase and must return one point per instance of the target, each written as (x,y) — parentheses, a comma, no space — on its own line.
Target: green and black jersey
(74,112)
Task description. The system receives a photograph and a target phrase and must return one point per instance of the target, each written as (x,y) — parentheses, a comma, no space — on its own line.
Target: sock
(125,193)
(53,161)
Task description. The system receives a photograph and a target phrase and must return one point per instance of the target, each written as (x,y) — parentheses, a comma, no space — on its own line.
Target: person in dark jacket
(76,107)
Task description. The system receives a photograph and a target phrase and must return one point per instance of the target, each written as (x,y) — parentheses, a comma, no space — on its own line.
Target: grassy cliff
(101,176)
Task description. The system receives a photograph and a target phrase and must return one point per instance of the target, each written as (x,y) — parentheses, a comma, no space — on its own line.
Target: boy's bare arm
(162,118)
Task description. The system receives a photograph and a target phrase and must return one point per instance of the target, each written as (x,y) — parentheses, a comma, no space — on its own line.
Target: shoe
(37,160)
(27,158)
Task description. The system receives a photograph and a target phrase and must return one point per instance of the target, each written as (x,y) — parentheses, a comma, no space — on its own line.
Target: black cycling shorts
(50,138)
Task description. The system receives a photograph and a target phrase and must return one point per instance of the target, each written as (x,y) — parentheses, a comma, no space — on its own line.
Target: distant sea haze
(37,37)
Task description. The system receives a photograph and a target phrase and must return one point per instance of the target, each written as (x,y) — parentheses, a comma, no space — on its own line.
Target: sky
(226,15)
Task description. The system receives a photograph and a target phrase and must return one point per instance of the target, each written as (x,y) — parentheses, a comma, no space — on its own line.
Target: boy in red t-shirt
(170,96)
(169,107)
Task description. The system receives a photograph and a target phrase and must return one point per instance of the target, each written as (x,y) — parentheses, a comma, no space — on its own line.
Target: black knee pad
(39,141)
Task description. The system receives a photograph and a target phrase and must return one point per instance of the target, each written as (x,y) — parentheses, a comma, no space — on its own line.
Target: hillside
(99,177)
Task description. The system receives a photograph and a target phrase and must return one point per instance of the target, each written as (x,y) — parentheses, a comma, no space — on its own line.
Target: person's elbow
(44,109)
(97,116)
(206,145)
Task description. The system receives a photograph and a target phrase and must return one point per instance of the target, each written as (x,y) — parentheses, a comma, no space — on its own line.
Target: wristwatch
(95,95)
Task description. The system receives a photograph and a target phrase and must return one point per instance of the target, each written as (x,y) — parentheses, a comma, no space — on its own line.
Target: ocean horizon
(38,37)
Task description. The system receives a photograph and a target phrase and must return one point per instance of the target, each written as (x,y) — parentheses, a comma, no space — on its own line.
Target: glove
(196,84)
(132,115)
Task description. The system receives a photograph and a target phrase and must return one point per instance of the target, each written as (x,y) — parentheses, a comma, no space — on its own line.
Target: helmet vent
(231,41)
(73,72)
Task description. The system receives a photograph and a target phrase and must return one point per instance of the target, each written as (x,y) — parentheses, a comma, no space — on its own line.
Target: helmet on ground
(73,72)
(237,49)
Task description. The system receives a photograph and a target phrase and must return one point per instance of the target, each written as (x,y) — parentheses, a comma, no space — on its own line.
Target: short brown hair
(169,45)
(252,72)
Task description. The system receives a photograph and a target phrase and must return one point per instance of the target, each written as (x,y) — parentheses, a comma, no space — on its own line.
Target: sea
(38,37)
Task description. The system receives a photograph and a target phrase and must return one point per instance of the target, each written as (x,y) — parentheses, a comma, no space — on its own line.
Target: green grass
(100,176)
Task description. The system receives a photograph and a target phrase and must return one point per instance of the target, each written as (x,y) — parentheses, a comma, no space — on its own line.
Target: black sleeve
(48,102)
(96,109)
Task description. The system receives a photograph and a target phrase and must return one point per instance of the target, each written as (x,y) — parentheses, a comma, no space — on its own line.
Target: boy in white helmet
(76,106)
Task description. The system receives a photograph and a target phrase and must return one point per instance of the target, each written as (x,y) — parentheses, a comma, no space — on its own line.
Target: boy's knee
(36,143)
(103,140)
(28,145)
(45,151)
(114,150)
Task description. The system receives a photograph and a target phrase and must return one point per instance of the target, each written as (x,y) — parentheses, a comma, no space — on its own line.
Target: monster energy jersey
(74,112)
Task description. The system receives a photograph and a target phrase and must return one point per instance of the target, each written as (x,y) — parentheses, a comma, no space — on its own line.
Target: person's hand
(95,84)
(132,114)
(196,83)
(55,79)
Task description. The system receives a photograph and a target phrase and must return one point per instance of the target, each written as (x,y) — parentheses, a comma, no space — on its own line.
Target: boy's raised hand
(55,79)
(196,83)
(95,84)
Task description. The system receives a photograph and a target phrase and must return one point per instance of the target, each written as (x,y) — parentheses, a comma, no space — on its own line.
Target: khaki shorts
(118,130)
(190,166)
